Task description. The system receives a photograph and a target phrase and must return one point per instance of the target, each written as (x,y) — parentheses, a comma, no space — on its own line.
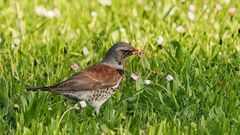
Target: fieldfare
(98,82)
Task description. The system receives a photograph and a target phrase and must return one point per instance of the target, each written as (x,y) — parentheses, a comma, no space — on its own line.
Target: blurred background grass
(195,42)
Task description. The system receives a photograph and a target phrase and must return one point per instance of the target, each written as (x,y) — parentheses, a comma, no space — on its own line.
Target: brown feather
(96,77)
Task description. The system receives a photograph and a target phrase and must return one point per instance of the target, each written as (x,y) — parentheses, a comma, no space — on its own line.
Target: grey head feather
(116,54)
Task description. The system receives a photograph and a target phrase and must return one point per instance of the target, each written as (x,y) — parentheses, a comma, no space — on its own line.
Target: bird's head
(118,52)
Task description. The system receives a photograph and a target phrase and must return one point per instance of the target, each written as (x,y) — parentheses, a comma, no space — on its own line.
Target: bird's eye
(125,51)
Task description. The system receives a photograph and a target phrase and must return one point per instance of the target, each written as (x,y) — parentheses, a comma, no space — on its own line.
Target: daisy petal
(74,66)
(147,82)
(135,76)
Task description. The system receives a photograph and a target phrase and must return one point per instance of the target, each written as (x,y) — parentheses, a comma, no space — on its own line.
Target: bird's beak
(136,52)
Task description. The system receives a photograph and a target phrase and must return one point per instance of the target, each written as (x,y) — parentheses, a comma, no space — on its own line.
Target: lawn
(191,64)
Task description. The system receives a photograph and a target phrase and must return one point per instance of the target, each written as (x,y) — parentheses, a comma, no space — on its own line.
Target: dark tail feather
(38,88)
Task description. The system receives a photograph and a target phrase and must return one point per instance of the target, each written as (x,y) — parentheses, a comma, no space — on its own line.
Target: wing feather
(97,77)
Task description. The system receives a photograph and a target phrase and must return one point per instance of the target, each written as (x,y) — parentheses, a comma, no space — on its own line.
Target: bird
(99,82)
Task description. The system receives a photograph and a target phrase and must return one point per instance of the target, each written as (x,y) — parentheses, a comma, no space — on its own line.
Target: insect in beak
(136,52)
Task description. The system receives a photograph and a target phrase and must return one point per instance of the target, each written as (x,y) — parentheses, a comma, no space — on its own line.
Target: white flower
(191,16)
(56,12)
(15,42)
(83,104)
(135,76)
(169,78)
(42,11)
(52,13)
(180,29)
(159,4)
(93,14)
(105,2)
(147,82)
(232,10)
(74,66)
(160,40)
(205,7)
(49,108)
(85,51)
(218,7)
(192,8)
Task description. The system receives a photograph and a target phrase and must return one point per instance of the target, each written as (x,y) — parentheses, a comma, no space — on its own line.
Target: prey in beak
(136,52)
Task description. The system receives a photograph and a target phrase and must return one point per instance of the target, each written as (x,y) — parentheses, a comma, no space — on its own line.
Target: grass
(203,98)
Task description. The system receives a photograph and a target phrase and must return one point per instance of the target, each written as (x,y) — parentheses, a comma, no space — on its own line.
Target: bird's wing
(97,77)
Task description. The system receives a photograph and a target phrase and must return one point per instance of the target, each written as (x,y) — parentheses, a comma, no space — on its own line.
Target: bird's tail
(38,88)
